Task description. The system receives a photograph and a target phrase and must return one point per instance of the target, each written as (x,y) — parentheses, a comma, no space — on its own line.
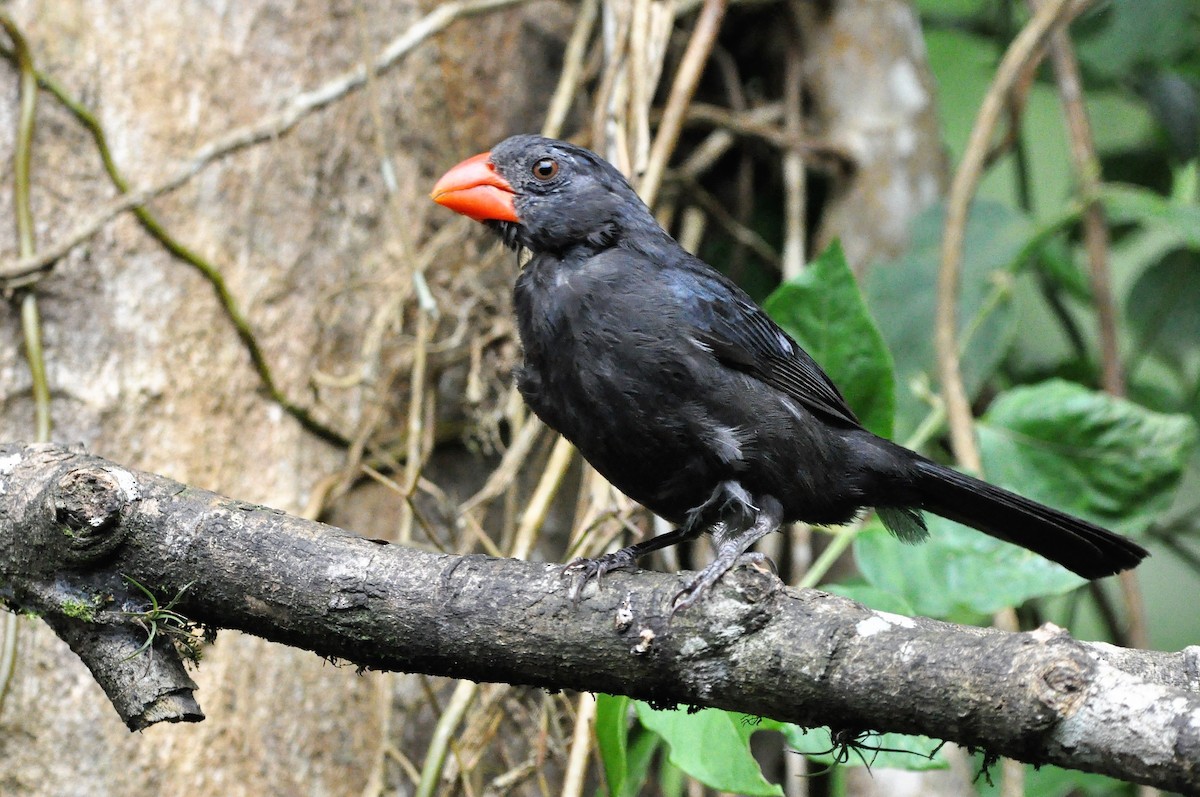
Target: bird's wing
(742,336)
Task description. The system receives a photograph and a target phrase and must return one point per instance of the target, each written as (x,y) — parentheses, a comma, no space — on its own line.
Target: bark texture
(754,646)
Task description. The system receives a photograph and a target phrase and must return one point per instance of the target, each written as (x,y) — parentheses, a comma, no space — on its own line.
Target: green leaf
(903,292)
(1081,451)
(824,311)
(713,747)
(1133,255)
(1042,346)
(1154,270)
(1056,260)
(1163,317)
(641,752)
(625,764)
(612,739)
(1121,121)
(964,65)
(671,779)
(1129,34)
(1184,179)
(1103,458)
(950,9)
(960,574)
(1164,306)
(1132,204)
(887,750)
(1051,781)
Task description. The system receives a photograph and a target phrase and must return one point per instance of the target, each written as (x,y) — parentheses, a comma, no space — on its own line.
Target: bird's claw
(583,570)
(759,561)
(699,585)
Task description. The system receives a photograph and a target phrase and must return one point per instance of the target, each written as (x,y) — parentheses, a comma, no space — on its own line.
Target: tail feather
(1076,544)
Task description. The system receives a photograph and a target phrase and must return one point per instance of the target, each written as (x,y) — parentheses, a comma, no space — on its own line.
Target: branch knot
(88,502)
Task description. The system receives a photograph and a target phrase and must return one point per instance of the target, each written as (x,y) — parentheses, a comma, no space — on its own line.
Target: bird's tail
(1076,544)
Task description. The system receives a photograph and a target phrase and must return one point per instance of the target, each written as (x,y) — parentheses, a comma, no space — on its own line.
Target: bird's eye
(545,169)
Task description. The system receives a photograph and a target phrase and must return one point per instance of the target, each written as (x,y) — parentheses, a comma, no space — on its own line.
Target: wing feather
(742,336)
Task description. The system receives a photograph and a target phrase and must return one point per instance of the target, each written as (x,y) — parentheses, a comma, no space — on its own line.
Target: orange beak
(474,189)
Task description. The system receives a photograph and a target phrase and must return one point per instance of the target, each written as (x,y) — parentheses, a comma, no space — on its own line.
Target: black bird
(686,396)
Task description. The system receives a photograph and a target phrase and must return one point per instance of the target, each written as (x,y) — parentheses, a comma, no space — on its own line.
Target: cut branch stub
(87,505)
(61,526)
(143,677)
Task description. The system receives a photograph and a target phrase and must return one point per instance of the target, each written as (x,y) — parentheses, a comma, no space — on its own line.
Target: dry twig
(1025,48)
(1096,244)
(687,77)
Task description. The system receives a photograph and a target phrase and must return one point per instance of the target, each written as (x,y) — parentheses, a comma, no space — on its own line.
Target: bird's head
(545,195)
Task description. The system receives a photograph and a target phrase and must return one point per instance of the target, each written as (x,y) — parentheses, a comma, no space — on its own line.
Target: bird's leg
(698,519)
(736,511)
(584,570)
(731,543)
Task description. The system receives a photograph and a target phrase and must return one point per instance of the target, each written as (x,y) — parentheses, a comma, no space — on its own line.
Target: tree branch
(80,536)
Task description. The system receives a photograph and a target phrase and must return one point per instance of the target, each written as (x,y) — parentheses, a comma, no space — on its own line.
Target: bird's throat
(511,233)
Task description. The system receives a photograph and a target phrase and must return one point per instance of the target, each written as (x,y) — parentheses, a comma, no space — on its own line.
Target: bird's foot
(582,570)
(703,581)
(731,551)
